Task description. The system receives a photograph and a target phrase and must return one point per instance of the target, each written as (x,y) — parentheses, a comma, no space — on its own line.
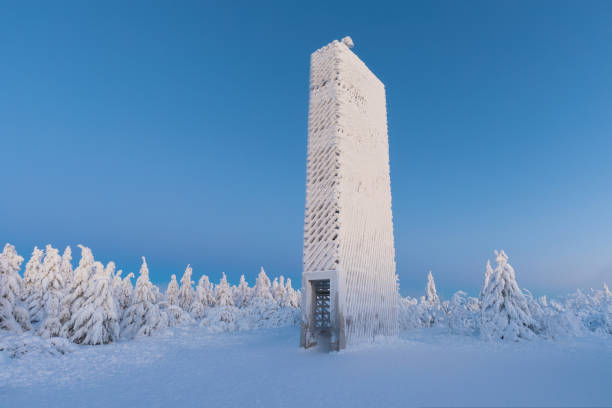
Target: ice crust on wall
(348,225)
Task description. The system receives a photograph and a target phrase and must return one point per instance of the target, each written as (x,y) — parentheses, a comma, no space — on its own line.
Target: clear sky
(177,130)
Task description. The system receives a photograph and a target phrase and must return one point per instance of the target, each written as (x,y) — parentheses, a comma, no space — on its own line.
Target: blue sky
(177,130)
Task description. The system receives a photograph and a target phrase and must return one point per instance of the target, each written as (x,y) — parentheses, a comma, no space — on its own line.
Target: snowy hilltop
(53,306)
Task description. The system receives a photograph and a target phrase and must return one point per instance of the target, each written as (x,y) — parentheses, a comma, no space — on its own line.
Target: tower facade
(348,280)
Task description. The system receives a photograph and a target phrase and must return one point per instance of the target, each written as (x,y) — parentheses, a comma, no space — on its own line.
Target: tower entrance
(321,304)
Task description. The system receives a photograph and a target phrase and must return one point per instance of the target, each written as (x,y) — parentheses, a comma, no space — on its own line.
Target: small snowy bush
(463,314)
(20,345)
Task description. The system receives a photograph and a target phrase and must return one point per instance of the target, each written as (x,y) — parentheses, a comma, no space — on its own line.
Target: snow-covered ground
(189,367)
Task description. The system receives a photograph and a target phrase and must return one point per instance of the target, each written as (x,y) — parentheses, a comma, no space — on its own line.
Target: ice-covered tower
(349,282)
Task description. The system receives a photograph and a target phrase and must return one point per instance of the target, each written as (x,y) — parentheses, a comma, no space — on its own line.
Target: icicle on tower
(348,280)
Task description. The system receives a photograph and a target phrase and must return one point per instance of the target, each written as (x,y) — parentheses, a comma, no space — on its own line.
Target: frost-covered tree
(431,295)
(592,311)
(488,274)
(172,292)
(262,287)
(242,294)
(463,314)
(123,295)
(291,297)
(505,313)
(66,267)
(109,269)
(427,311)
(176,315)
(13,316)
(116,288)
(143,316)
(279,289)
(204,298)
(32,287)
(223,293)
(186,293)
(96,321)
(75,298)
(606,290)
(53,290)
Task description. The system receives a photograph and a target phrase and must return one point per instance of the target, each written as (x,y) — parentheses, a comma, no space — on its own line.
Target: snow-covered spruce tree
(52,283)
(263,310)
(242,294)
(431,295)
(204,298)
(143,316)
(487,278)
(13,316)
(66,267)
(123,294)
(75,296)
(96,321)
(109,269)
(172,292)
(116,288)
(32,286)
(430,310)
(278,289)
(223,293)
(291,297)
(262,287)
(505,314)
(186,293)
(176,315)
(224,316)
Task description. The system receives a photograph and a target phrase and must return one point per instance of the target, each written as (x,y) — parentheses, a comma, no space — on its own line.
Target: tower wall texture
(348,227)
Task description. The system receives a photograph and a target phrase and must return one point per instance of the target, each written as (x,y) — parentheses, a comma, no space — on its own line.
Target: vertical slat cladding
(348,223)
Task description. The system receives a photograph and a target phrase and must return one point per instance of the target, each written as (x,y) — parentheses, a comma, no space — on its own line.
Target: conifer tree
(431,295)
(124,293)
(204,298)
(172,292)
(186,293)
(66,267)
(278,289)
(262,286)
(32,287)
(116,287)
(143,316)
(53,290)
(223,293)
(13,316)
(110,269)
(242,295)
(96,321)
(74,300)
(488,274)
(291,297)
(505,314)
